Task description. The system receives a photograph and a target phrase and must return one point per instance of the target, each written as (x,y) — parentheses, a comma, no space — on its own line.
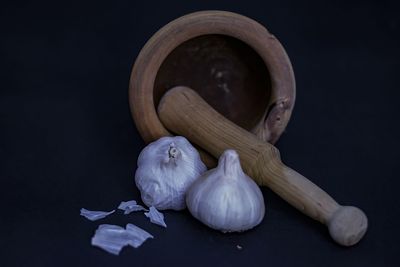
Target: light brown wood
(151,72)
(185,113)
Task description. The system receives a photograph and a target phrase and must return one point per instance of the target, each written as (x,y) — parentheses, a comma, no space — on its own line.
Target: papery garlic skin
(166,169)
(225,198)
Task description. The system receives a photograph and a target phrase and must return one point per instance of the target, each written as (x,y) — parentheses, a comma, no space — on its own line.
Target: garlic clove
(166,169)
(225,198)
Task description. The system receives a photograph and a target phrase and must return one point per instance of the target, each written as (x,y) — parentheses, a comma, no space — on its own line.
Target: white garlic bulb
(225,198)
(166,169)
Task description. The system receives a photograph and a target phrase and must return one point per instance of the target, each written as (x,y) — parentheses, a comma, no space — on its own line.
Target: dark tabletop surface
(67,139)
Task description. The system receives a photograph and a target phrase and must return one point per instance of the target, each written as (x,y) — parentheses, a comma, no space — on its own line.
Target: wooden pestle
(185,113)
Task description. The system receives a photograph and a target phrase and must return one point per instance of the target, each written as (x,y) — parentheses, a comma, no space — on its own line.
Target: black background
(67,139)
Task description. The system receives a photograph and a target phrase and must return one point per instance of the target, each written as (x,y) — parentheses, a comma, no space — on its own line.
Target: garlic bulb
(166,169)
(225,198)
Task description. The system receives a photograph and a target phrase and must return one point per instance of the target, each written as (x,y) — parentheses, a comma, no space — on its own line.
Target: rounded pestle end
(348,225)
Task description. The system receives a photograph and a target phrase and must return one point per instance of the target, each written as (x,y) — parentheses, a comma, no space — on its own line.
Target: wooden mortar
(230,60)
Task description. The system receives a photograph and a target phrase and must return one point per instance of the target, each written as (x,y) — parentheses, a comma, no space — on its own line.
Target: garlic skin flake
(94,215)
(113,238)
(225,198)
(166,169)
(130,206)
(156,217)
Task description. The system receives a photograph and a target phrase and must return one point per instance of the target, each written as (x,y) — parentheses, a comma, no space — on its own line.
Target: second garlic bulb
(225,198)
(166,169)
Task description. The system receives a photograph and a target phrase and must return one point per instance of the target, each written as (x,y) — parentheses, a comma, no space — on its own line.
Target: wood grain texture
(168,38)
(185,113)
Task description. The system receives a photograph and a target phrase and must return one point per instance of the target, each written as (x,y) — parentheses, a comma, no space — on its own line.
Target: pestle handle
(184,112)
